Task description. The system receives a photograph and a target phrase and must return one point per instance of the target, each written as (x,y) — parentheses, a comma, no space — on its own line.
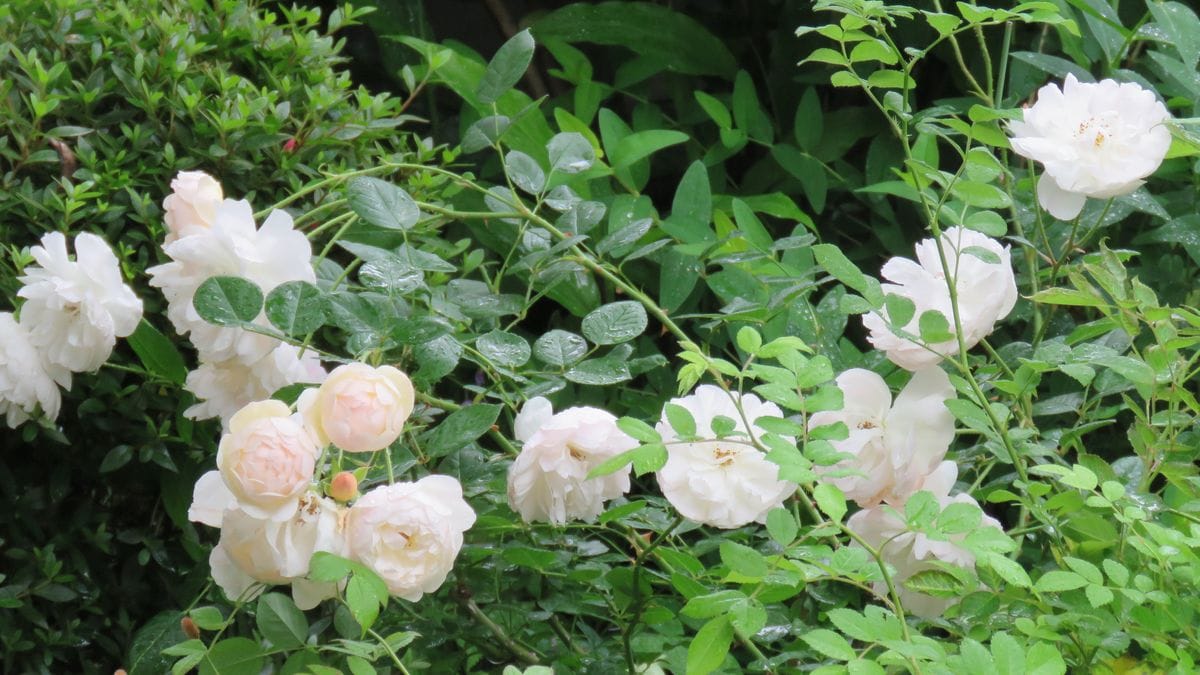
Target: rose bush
(780,445)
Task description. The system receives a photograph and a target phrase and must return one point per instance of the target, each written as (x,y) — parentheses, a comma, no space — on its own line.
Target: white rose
(211,498)
(987,292)
(894,446)
(912,552)
(223,387)
(268,256)
(27,383)
(410,533)
(725,483)
(1093,140)
(192,204)
(278,552)
(76,309)
(548,481)
(359,408)
(267,459)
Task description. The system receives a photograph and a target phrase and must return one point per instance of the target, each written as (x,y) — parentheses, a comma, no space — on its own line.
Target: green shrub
(101,104)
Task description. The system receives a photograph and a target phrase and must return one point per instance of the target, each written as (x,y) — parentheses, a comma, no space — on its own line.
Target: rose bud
(343,487)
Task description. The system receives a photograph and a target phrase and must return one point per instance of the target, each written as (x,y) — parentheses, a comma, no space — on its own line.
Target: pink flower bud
(343,487)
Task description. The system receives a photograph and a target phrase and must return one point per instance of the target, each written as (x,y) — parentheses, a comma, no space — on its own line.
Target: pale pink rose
(894,445)
(725,482)
(192,204)
(548,481)
(278,552)
(912,552)
(986,290)
(410,533)
(267,459)
(359,408)
(233,246)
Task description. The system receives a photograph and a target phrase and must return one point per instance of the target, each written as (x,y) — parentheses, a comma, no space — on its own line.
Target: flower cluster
(720,480)
(265,494)
(208,235)
(894,449)
(73,313)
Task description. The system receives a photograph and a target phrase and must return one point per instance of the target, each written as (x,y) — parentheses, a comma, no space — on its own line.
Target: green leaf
(560,348)
(116,458)
(1181,27)
(855,625)
(359,666)
(681,420)
(830,644)
(691,209)
(228,301)
(900,309)
(936,582)
(1057,581)
(782,526)
(743,560)
(988,222)
(381,203)
(806,169)
(1044,659)
(362,601)
(145,650)
(831,500)
(208,618)
(748,113)
(625,236)
(642,144)
(296,308)
(280,621)
(485,133)
(233,656)
(1134,370)
(506,68)
(808,124)
(157,353)
(524,172)
(934,327)
(984,254)
(503,348)
(1009,570)
(1068,296)
(598,372)
(638,430)
(460,428)
(715,109)
(1097,595)
(708,649)
(666,39)
(570,153)
(436,358)
(839,267)
(328,567)
(615,322)
(748,616)
(958,518)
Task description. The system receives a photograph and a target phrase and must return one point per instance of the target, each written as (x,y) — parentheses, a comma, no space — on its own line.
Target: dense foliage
(687,234)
